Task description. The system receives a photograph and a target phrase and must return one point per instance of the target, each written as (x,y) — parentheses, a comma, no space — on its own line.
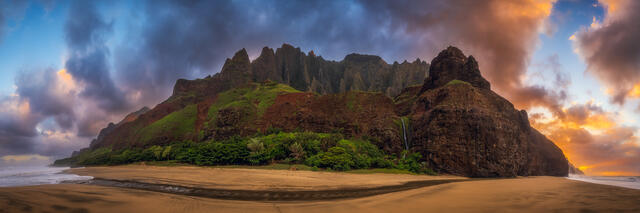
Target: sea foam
(632,182)
(35,175)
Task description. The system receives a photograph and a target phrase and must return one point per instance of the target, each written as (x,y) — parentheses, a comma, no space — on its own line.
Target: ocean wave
(632,182)
(26,176)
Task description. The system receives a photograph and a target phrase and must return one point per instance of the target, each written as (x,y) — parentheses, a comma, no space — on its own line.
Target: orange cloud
(592,140)
(611,5)
(65,81)
(527,9)
(635,91)
(17,158)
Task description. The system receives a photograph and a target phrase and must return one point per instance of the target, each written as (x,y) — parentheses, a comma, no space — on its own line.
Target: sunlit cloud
(24,157)
(592,139)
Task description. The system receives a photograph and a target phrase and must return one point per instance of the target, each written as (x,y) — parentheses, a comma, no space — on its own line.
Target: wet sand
(249,179)
(534,194)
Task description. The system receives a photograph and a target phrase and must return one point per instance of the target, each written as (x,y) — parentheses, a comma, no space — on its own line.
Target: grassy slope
(176,124)
(258,97)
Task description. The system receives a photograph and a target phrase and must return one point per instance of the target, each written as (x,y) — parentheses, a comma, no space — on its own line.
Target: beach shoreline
(456,194)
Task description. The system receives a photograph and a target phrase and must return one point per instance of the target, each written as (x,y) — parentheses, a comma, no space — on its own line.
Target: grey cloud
(39,88)
(37,99)
(191,39)
(530,96)
(85,32)
(612,51)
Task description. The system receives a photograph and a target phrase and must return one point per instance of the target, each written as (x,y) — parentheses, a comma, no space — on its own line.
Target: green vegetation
(177,124)
(279,150)
(456,81)
(256,98)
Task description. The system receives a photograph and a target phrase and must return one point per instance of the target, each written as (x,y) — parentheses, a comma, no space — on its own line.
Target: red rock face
(354,114)
(467,129)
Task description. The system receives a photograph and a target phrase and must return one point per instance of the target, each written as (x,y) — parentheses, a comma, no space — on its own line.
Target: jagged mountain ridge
(311,73)
(458,124)
(286,65)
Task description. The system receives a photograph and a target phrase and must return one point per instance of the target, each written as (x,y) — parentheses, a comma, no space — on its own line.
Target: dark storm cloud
(611,48)
(188,39)
(85,32)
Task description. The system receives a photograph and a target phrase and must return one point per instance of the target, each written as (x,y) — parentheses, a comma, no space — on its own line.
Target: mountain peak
(266,51)
(239,63)
(241,55)
(452,64)
(361,58)
(451,52)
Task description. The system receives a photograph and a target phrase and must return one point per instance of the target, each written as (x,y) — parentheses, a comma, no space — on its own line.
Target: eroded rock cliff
(464,128)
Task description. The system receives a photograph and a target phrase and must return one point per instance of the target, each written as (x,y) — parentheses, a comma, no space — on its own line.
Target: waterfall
(404,135)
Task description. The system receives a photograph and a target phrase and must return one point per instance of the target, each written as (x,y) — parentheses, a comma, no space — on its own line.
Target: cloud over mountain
(162,41)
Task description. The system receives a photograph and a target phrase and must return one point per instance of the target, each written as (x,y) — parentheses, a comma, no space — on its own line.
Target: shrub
(216,153)
(412,163)
(297,152)
(166,153)
(317,150)
(157,152)
(337,158)
(255,145)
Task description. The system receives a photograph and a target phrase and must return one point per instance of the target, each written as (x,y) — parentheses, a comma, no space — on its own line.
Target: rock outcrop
(464,128)
(451,64)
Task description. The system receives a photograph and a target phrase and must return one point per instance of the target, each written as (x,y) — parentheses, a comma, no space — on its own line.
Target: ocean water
(632,182)
(35,175)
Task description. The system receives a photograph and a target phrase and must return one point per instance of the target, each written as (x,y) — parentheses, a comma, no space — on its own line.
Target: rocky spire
(452,64)
(239,63)
(265,67)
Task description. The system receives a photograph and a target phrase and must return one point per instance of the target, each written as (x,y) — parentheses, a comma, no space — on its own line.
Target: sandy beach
(249,179)
(526,194)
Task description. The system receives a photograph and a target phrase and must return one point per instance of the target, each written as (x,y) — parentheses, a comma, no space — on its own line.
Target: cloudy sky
(68,68)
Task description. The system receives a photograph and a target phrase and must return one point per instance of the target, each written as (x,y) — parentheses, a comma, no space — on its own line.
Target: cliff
(453,118)
(311,73)
(464,128)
